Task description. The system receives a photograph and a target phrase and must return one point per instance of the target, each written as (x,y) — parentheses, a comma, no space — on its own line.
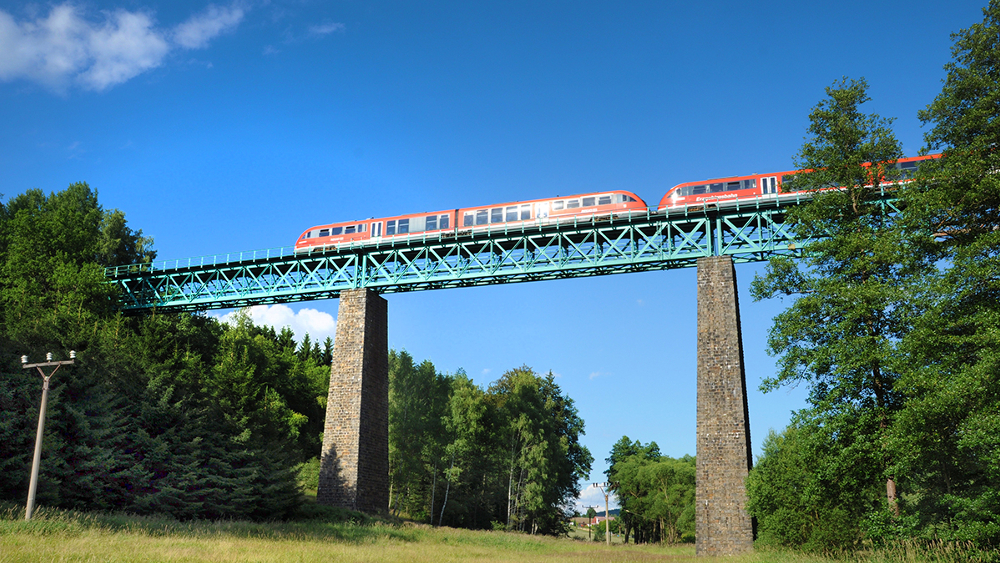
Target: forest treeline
(893,324)
(172,414)
(184,415)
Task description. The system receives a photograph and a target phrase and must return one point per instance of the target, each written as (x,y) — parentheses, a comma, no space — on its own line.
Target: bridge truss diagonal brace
(723,526)
(354,465)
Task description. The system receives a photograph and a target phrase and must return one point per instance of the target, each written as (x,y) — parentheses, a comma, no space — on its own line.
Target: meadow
(58,535)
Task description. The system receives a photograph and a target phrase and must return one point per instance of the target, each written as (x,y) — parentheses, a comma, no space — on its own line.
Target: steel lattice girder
(507,255)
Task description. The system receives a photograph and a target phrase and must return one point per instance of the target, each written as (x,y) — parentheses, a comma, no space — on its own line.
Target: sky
(220,127)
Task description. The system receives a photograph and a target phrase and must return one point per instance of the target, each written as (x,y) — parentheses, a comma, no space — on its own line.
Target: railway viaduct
(354,467)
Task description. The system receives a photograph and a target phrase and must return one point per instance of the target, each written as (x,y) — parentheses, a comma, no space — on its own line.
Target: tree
(540,433)
(948,437)
(418,399)
(851,306)
(658,494)
(623,450)
(810,489)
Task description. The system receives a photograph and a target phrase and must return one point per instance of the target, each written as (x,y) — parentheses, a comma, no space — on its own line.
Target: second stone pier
(354,466)
(723,526)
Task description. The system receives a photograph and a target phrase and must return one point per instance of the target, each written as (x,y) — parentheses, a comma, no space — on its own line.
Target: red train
(537,211)
(721,192)
(725,192)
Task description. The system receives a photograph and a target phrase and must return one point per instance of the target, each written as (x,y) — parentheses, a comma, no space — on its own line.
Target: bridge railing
(200,261)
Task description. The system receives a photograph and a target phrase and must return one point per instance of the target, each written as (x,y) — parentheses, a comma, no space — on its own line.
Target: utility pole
(33,485)
(607,522)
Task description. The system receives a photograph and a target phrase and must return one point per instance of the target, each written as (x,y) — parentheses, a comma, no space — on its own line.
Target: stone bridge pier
(723,526)
(354,466)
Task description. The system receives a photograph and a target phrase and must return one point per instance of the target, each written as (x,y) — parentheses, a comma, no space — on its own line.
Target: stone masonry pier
(354,466)
(723,526)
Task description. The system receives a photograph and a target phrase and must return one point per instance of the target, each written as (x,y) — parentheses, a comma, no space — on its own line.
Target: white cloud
(125,46)
(326,28)
(64,47)
(592,496)
(202,28)
(317,324)
(596,374)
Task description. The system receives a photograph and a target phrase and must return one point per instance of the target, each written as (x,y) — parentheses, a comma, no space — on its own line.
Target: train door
(376,230)
(769,185)
(542,210)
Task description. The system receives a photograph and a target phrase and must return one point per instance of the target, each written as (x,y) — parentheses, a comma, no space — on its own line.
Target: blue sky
(235,126)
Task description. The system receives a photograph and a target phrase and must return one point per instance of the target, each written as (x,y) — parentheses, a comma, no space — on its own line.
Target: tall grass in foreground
(59,535)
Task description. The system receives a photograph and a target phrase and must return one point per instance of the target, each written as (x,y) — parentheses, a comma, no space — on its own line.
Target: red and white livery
(725,192)
(465,220)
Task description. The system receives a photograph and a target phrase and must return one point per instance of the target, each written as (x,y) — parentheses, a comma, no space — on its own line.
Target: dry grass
(71,536)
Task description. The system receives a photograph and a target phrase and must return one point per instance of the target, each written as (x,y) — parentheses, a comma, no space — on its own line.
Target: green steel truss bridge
(521,252)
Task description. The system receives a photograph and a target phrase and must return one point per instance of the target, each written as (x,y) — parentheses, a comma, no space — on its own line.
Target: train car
(466,220)
(725,192)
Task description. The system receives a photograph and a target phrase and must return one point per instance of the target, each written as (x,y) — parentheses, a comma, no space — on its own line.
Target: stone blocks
(354,466)
(723,526)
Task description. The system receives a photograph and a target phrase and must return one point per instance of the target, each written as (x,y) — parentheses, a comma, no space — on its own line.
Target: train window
(906,169)
(403,226)
(589,201)
(557,205)
(469,219)
(730,186)
(525,212)
(695,190)
(572,203)
(788,183)
(482,216)
(496,215)
(604,200)
(431,223)
(324,232)
(750,184)
(390,227)
(336,231)
(443,222)
(718,188)
(309,234)
(511,214)
(349,230)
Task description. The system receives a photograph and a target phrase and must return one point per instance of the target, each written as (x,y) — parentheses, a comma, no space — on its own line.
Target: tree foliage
(851,304)
(917,401)
(948,437)
(656,493)
(150,418)
(507,456)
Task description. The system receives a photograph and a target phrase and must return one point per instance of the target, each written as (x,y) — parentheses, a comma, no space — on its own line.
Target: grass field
(70,536)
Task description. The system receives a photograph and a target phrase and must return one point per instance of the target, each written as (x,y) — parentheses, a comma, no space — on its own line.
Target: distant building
(584,522)
(599,519)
